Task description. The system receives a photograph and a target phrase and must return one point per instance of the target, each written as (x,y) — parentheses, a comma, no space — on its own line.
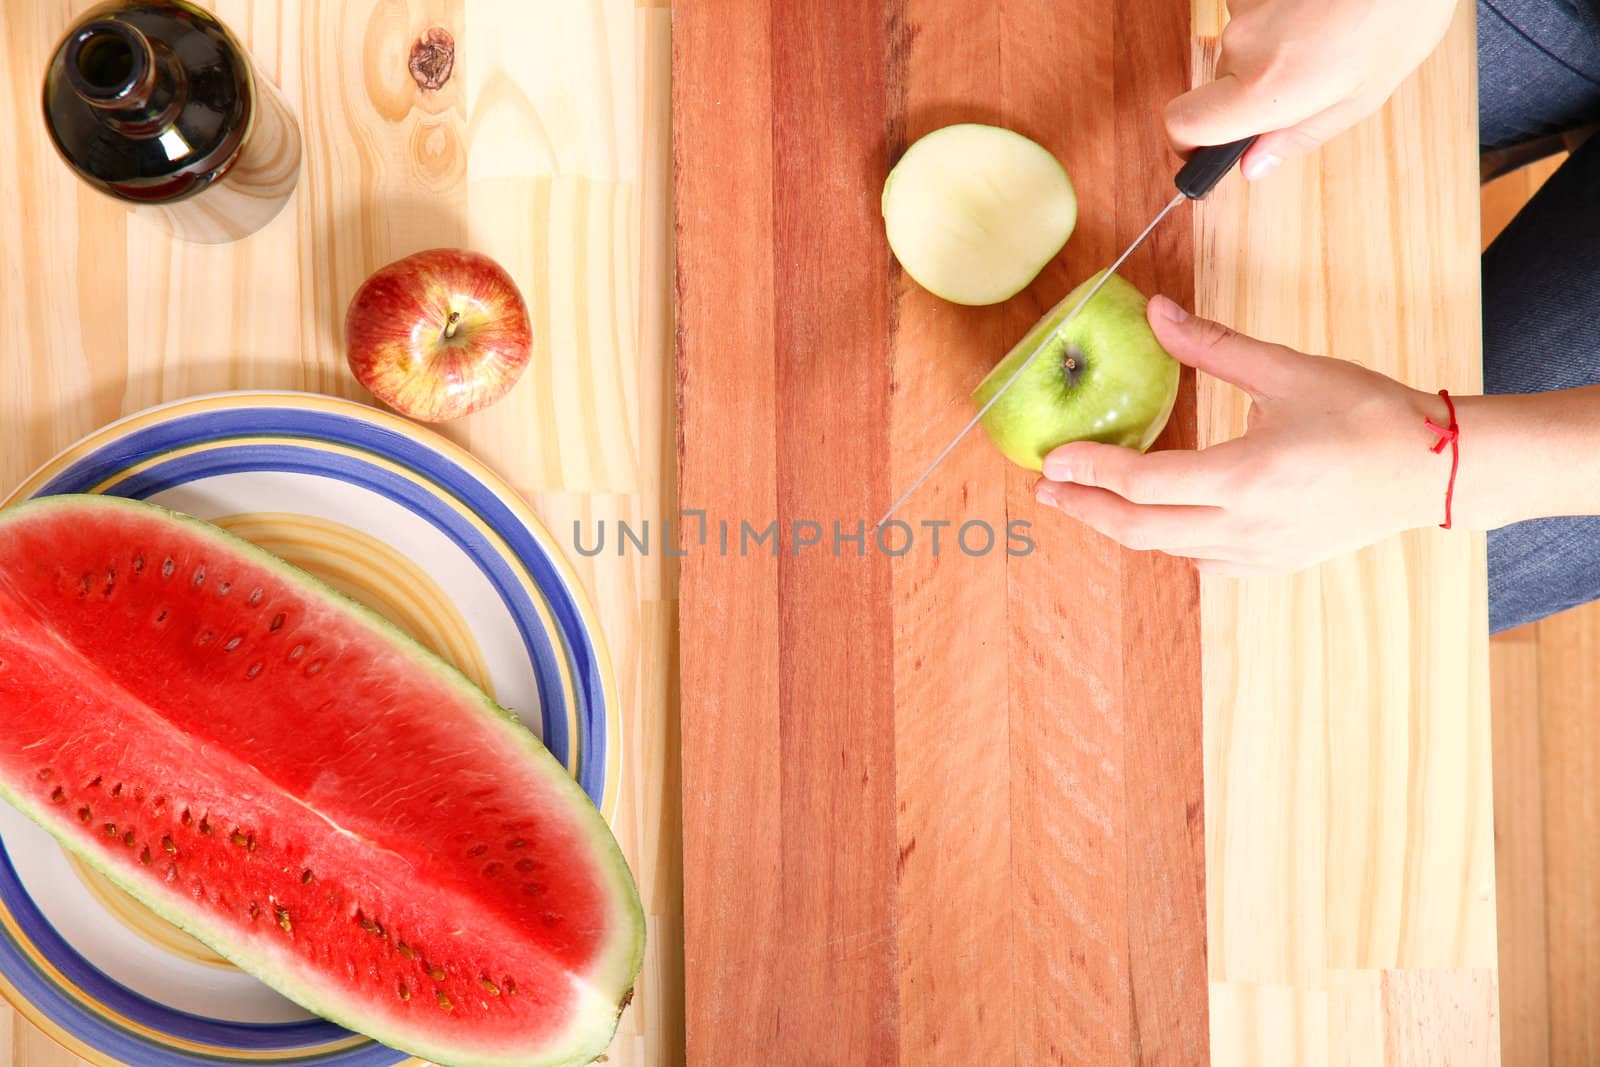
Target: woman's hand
(1296,72)
(1336,457)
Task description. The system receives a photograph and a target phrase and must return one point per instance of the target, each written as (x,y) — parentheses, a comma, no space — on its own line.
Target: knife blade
(1204,169)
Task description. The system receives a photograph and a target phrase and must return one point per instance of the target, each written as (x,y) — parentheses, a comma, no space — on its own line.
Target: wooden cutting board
(938,808)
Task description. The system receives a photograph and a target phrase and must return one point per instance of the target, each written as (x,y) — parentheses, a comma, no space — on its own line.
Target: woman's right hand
(1296,72)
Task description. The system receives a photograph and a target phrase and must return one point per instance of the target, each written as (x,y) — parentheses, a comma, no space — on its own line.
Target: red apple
(438,334)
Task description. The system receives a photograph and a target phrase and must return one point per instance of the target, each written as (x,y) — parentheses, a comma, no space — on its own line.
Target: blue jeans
(1539,71)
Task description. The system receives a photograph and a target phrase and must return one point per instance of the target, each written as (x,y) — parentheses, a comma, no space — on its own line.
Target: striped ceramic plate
(398,518)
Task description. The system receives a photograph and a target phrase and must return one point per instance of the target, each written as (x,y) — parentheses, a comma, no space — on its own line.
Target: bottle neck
(116,70)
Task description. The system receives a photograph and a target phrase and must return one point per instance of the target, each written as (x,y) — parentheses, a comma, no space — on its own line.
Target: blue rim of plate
(143,454)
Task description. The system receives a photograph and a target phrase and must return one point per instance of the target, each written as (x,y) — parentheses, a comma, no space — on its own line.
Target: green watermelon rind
(620,963)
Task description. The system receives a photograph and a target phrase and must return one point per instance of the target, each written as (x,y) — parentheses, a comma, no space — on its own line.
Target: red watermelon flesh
(290,779)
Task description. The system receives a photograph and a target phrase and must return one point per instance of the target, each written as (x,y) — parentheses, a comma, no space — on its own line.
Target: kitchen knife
(1204,169)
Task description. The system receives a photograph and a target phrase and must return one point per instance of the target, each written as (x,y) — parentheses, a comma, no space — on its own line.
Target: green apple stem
(451,326)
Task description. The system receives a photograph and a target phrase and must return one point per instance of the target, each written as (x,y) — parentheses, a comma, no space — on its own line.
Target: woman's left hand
(1336,457)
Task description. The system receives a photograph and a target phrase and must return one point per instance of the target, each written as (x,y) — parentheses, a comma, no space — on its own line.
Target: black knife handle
(1207,166)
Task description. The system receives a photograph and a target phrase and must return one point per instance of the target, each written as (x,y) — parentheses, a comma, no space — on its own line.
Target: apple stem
(451,325)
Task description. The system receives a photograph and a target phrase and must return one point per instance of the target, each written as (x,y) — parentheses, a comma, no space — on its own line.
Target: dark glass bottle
(154,102)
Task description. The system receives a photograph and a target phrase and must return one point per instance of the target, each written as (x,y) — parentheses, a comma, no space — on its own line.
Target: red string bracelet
(1448,435)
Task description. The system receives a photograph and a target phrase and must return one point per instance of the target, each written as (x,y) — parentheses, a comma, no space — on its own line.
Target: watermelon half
(296,783)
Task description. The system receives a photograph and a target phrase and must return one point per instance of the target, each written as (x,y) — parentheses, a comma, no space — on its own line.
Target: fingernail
(1169,309)
(1044,494)
(1057,470)
(1260,166)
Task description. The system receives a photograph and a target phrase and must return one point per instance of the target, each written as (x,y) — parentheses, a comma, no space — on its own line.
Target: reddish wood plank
(1066,603)
(836,689)
(952,742)
(727,405)
(1569,692)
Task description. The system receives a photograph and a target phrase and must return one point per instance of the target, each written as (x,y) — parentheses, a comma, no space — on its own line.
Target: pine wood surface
(1350,851)
(549,149)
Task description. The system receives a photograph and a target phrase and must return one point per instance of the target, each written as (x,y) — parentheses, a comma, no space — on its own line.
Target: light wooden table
(548,149)
(1350,891)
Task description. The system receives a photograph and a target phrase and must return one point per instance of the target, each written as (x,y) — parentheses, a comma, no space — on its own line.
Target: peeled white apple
(1104,378)
(973,212)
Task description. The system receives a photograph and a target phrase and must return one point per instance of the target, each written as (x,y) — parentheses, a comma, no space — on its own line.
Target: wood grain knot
(433,57)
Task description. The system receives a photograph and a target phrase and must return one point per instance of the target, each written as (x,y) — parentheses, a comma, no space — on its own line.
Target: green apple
(1104,378)
(973,212)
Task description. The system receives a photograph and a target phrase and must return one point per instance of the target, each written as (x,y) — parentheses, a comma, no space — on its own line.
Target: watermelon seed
(84,584)
(187,818)
(255,596)
(239,839)
(489,987)
(305,876)
(491,870)
(515,842)
(524,865)
(375,929)
(405,994)
(138,563)
(111,829)
(144,855)
(477,850)
(111,580)
(59,796)
(167,568)
(509,985)
(161,617)
(405,950)
(127,839)
(222,590)
(84,814)
(436,973)
(44,774)
(159,805)
(444,1001)
(200,576)
(205,825)
(283,920)
(206,636)
(233,643)
(166,843)
(255,669)
(277,623)
(296,652)
(316,666)
(255,909)
(96,780)
(116,790)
